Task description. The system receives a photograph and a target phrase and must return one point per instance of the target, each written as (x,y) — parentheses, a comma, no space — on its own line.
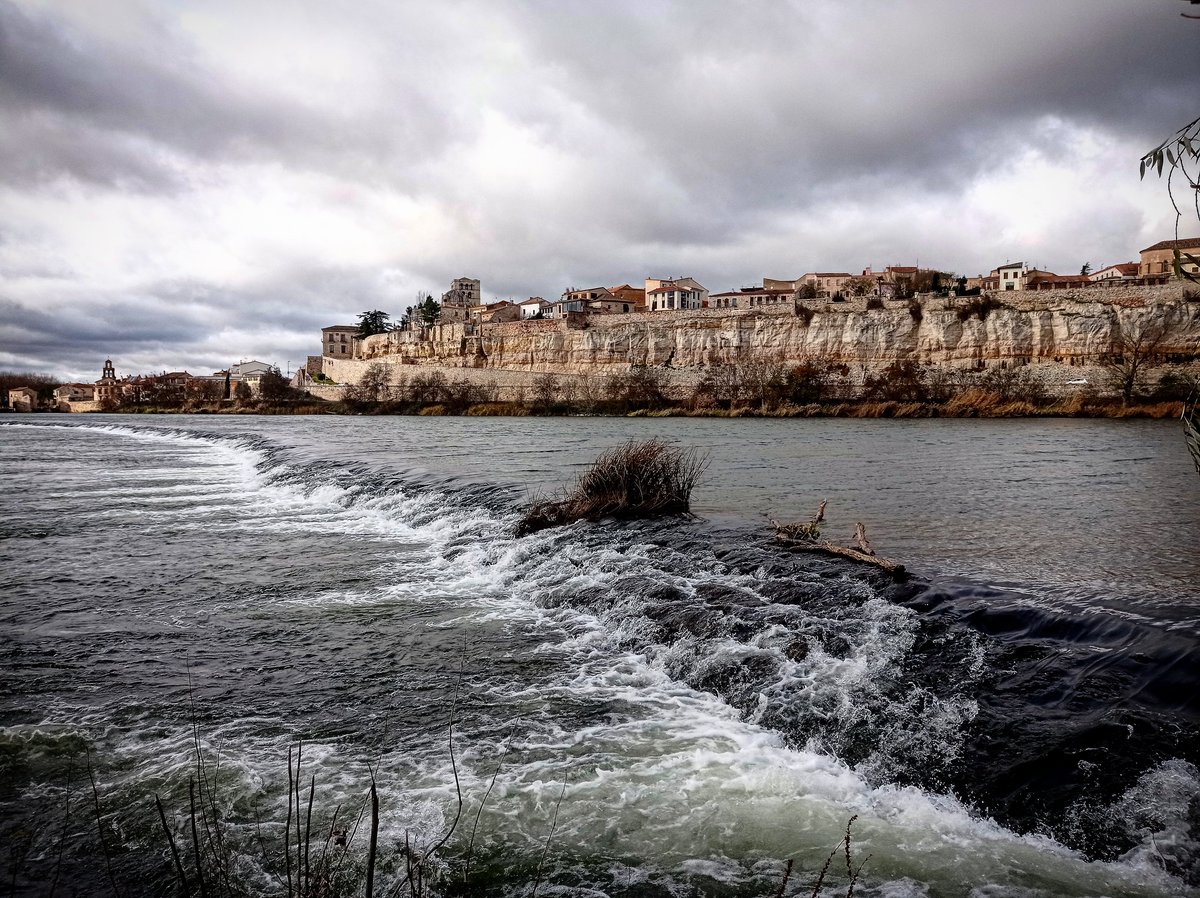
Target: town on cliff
(904,340)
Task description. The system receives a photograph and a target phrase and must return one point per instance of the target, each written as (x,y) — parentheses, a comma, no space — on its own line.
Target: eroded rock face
(1073,329)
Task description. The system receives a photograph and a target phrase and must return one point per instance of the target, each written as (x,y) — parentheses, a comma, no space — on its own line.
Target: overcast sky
(190,183)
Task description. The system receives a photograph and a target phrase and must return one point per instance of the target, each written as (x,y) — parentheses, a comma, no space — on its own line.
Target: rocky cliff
(1073,328)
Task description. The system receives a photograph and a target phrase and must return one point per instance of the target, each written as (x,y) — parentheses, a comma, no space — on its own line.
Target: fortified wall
(1059,331)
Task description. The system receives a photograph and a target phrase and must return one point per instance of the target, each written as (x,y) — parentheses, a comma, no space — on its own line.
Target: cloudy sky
(189,183)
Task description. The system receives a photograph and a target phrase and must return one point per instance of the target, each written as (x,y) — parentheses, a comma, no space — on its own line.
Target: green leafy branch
(1179,156)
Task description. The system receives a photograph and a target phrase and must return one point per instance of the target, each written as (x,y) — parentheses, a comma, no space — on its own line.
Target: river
(664,708)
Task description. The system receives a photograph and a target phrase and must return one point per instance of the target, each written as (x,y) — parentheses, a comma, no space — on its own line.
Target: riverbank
(958,407)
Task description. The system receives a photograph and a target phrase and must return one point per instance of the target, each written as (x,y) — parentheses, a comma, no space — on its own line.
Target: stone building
(1159,260)
(22,399)
(826,283)
(635,296)
(457,302)
(339,341)
(107,388)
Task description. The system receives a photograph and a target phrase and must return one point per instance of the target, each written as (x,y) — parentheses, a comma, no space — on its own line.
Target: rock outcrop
(1075,328)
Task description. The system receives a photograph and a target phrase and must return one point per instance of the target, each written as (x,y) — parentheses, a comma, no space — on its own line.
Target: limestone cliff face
(1071,328)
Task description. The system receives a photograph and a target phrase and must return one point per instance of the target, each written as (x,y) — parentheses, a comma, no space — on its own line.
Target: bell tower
(106,386)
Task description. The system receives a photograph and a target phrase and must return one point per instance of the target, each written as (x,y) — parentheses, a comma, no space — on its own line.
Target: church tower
(106,386)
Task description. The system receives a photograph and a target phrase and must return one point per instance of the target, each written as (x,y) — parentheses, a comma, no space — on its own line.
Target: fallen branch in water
(805,536)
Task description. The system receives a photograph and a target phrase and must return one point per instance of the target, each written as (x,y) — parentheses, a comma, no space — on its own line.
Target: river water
(664,708)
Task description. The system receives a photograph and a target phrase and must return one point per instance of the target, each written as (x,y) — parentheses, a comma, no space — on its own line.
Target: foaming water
(689,705)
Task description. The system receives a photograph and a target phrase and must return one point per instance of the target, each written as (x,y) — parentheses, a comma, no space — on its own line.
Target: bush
(901,381)
(546,391)
(427,387)
(915,309)
(635,480)
(1013,385)
(980,306)
(807,382)
(874,302)
(643,387)
(1175,385)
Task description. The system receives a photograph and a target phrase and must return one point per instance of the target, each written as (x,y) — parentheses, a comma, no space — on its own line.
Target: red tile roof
(1185,243)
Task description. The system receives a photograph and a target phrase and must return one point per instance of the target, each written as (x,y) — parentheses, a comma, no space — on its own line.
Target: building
(457,302)
(1010,276)
(773,284)
(107,388)
(635,296)
(672,296)
(690,283)
(825,283)
(534,307)
(67,393)
(1036,279)
(1122,271)
(339,341)
(495,312)
(574,300)
(1159,260)
(249,373)
(23,399)
(751,297)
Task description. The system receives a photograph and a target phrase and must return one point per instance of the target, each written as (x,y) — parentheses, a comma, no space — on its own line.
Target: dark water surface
(1018,719)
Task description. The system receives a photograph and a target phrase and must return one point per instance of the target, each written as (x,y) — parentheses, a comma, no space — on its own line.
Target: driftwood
(805,536)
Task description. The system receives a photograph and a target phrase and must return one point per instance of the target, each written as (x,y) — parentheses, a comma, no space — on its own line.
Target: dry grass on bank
(635,480)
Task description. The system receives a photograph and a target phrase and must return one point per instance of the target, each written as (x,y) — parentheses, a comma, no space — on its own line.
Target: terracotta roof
(1044,276)
(1185,243)
(1123,267)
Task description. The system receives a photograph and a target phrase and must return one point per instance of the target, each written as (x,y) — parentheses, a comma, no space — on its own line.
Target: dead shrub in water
(635,480)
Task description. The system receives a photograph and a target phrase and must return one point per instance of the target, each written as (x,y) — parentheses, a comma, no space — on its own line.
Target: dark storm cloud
(764,104)
(79,105)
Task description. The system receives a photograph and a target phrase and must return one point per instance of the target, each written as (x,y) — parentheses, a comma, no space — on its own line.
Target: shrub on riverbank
(635,480)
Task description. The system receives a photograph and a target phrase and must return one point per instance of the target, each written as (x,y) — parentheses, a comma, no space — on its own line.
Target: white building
(675,296)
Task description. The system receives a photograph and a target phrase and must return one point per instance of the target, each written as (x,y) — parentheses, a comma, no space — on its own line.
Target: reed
(635,480)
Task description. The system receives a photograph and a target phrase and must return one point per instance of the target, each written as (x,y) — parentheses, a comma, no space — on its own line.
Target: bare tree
(861,285)
(545,392)
(1133,348)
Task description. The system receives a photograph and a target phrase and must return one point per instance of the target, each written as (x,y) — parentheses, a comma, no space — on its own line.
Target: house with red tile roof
(1159,260)
(1122,271)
